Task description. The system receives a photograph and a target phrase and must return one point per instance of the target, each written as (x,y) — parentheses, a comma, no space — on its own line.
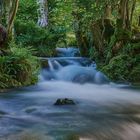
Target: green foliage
(19,68)
(134,76)
(133,49)
(106,45)
(123,68)
(27,10)
(44,41)
(118,67)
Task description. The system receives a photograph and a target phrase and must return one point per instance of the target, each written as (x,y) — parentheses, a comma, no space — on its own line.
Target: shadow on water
(103,110)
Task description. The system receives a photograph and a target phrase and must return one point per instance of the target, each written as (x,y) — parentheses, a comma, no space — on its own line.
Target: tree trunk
(124,14)
(43,13)
(108,12)
(132,11)
(14,9)
(139,21)
(1,10)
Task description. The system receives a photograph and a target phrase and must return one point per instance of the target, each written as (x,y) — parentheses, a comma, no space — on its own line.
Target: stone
(65,101)
(44,63)
(3,113)
(30,110)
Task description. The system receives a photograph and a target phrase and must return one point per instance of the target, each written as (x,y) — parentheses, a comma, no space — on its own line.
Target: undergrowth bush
(18,68)
(30,34)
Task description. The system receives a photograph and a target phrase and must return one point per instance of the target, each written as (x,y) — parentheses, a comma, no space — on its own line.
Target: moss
(44,63)
(132,48)
(18,68)
(118,68)
(134,76)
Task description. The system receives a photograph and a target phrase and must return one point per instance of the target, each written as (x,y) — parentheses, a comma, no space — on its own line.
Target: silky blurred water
(103,110)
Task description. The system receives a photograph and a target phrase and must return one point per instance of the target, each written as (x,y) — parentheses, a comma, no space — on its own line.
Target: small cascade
(100,78)
(102,110)
(51,66)
(73,73)
(58,65)
(73,69)
(67,52)
(80,74)
(54,65)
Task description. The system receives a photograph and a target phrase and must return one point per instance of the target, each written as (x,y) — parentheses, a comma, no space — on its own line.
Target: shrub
(40,39)
(18,68)
(135,75)
(119,68)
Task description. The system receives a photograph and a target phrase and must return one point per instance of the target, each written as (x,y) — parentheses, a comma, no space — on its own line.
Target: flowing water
(103,110)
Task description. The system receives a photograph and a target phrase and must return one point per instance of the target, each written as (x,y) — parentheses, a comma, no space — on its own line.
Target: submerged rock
(65,101)
(30,110)
(44,63)
(2,113)
(83,78)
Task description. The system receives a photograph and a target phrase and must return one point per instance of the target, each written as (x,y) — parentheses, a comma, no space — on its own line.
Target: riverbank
(101,110)
(18,68)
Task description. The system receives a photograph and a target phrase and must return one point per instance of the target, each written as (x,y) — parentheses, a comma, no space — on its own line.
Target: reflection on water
(103,110)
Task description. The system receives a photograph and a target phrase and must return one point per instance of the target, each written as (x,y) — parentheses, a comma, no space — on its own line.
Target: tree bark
(132,11)
(12,17)
(139,21)
(43,13)
(124,13)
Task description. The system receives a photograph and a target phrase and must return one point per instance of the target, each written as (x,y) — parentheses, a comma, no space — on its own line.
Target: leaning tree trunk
(12,15)
(132,11)
(123,24)
(43,13)
(124,13)
(139,21)
(1,10)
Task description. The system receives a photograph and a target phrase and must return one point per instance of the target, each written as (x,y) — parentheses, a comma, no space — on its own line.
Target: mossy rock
(122,34)
(132,49)
(3,113)
(65,101)
(134,76)
(118,68)
(44,63)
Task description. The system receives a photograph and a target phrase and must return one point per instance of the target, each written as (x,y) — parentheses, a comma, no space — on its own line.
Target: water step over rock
(3,113)
(44,63)
(30,110)
(65,101)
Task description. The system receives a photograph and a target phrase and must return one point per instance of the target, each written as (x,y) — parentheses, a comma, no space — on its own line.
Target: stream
(103,111)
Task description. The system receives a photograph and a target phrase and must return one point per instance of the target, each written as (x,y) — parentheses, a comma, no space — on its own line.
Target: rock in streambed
(64,101)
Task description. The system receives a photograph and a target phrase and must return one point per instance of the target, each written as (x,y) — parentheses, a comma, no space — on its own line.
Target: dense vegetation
(107,31)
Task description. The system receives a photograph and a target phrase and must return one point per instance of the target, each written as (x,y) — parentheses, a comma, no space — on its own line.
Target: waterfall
(72,69)
(42,13)
(54,65)
(57,64)
(51,65)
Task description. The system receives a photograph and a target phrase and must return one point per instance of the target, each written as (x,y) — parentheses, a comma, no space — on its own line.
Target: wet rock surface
(3,113)
(65,101)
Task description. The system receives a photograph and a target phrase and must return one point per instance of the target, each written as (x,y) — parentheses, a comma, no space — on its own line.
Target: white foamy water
(103,110)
